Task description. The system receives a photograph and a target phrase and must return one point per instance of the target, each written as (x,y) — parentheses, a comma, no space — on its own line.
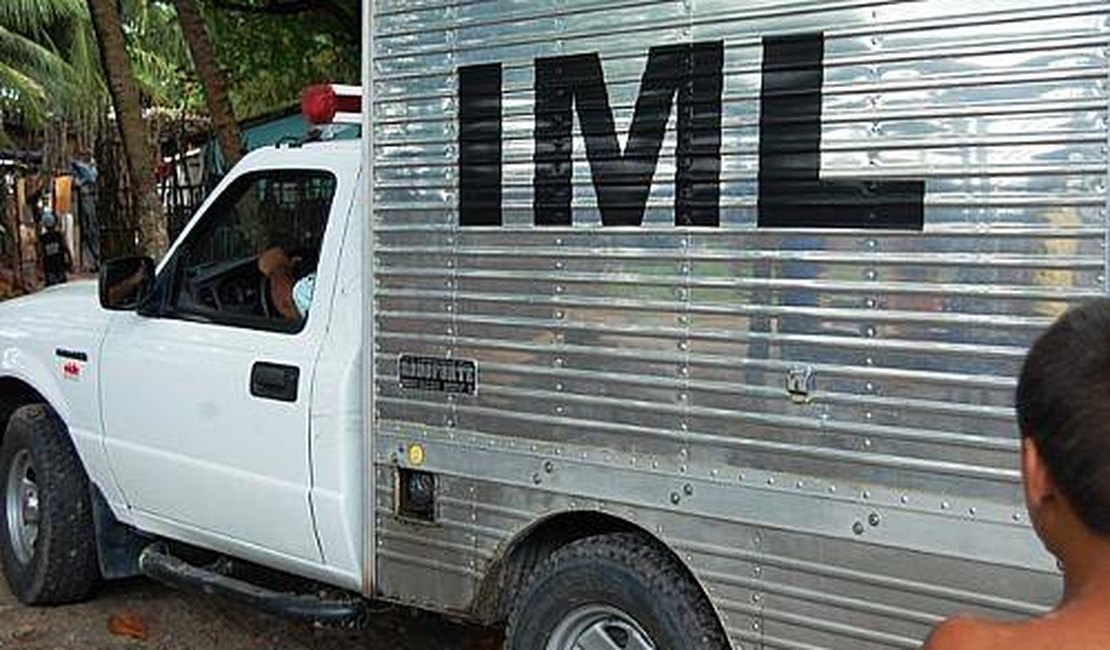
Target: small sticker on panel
(416,454)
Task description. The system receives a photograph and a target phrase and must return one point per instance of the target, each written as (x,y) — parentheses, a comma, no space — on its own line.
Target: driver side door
(205,396)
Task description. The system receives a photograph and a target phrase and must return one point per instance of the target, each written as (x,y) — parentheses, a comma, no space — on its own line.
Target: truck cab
(207,414)
(247,396)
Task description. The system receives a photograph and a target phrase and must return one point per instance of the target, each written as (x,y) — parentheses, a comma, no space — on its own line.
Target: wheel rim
(22,506)
(599,627)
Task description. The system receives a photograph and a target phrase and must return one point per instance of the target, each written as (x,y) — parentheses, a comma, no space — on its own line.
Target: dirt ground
(173,620)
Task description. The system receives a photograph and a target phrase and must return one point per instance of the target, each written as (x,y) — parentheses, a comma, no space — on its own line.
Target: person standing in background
(85,177)
(63,214)
(56,258)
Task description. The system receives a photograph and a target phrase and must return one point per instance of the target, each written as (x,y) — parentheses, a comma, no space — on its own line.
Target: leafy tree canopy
(272,49)
(159,56)
(47,61)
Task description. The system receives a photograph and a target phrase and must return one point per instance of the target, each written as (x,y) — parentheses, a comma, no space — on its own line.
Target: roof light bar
(332,104)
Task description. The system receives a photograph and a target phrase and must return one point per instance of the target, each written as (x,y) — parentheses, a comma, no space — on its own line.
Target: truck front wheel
(47,535)
(619,592)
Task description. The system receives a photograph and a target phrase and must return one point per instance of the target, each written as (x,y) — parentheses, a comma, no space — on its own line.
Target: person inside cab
(1063,412)
(290,296)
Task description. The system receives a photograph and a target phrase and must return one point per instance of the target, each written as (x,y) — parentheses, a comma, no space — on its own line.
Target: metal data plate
(437,375)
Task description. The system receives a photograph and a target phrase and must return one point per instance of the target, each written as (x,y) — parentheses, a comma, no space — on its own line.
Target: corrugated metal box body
(649,363)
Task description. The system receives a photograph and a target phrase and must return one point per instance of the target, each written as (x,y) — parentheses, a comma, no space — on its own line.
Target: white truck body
(803,389)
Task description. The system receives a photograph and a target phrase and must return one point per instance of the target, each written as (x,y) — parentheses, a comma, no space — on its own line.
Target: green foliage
(270,49)
(159,55)
(50,66)
(34,17)
(46,66)
(270,58)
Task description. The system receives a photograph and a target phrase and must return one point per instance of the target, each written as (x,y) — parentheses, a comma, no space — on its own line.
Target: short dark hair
(1063,405)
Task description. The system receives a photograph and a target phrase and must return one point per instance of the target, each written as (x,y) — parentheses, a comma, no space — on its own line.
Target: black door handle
(275,381)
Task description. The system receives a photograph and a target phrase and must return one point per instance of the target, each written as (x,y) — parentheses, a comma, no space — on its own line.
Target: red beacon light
(332,104)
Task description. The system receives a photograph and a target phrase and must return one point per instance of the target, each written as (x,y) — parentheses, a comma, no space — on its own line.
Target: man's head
(1063,409)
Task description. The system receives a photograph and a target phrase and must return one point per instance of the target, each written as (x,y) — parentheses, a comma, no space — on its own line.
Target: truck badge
(71,370)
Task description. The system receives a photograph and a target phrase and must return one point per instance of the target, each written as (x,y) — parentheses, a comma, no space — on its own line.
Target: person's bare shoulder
(965,633)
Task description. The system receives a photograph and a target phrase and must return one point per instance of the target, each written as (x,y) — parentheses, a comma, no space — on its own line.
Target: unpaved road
(175,620)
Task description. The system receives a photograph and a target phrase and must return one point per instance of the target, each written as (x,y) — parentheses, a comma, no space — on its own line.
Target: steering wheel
(199,290)
(264,299)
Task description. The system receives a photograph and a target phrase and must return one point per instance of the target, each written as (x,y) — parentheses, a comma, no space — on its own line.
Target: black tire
(626,572)
(62,566)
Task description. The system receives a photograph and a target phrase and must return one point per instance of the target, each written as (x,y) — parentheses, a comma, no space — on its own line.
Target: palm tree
(213,80)
(133,131)
(47,65)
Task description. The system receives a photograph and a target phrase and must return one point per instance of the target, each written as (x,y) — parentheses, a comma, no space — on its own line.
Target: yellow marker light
(416,455)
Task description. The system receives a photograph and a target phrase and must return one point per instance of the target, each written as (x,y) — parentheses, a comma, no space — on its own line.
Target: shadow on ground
(175,620)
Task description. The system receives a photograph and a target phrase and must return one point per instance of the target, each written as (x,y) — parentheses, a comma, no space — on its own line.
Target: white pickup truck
(630,324)
(206,415)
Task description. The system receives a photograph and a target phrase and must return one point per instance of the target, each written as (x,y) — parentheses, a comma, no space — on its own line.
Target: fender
(42,383)
(18,366)
(50,344)
(530,546)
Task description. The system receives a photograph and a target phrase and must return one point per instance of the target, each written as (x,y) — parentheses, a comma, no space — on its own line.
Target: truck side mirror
(126,282)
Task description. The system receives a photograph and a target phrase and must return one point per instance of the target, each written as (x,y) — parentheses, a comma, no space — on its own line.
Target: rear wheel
(599,626)
(47,536)
(612,592)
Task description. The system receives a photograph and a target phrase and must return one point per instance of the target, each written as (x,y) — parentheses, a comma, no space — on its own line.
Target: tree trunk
(12,209)
(132,129)
(212,79)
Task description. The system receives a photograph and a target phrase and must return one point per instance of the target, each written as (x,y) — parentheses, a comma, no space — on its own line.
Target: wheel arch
(25,373)
(14,393)
(531,545)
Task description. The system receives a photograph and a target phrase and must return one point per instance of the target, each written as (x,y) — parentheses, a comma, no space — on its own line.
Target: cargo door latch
(799,383)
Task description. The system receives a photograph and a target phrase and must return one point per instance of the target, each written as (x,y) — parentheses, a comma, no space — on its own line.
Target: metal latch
(799,383)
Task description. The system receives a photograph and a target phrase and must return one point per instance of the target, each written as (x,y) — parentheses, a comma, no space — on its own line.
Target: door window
(251,261)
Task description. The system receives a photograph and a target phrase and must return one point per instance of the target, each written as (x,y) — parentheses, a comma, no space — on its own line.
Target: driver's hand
(274,260)
(275,264)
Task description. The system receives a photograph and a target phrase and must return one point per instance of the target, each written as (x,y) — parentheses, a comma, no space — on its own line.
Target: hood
(80,295)
(67,312)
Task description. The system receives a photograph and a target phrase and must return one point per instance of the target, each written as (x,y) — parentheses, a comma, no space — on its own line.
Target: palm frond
(85,66)
(29,55)
(23,96)
(35,16)
(50,66)
(157,77)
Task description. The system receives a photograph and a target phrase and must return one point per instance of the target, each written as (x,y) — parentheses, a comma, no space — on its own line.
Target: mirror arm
(155,304)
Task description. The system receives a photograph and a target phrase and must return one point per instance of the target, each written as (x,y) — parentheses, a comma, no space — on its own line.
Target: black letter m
(622,181)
